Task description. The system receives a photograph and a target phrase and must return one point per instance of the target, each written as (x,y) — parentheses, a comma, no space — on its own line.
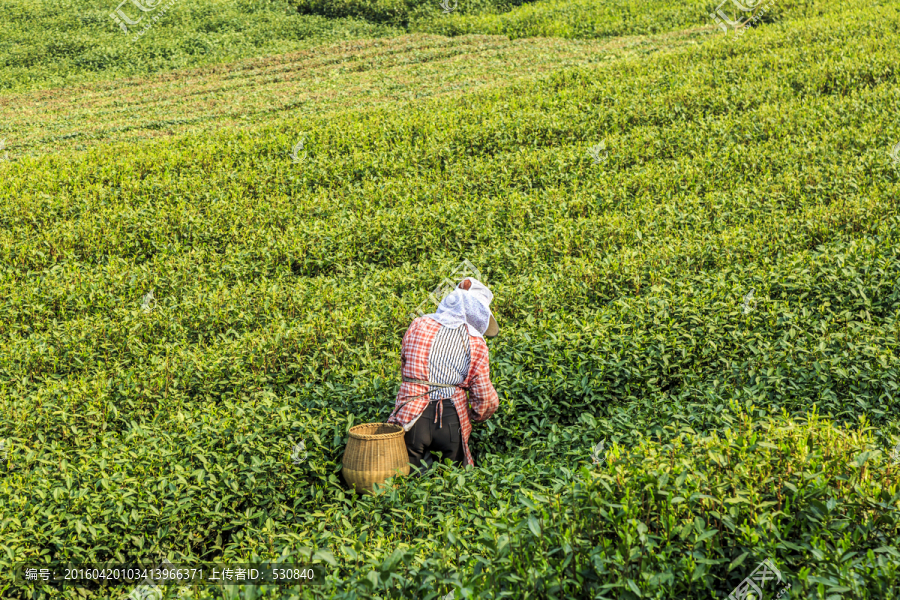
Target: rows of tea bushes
(56,43)
(138,426)
(318,81)
(822,328)
(701,172)
(678,512)
(564,229)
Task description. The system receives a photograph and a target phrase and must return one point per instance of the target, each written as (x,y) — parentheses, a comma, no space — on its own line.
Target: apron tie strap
(440,410)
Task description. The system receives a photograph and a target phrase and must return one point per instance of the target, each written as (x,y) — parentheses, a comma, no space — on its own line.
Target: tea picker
(446,386)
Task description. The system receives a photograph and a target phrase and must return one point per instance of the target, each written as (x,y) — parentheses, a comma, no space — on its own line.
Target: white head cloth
(471,307)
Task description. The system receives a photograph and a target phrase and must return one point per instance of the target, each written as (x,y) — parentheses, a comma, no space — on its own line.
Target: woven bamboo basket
(375,451)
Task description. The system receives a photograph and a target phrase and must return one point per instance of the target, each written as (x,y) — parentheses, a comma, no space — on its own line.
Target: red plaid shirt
(415,354)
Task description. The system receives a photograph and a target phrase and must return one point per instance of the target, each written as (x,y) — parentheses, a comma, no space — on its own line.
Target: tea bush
(55,43)
(585,19)
(398,13)
(558,18)
(136,429)
(677,516)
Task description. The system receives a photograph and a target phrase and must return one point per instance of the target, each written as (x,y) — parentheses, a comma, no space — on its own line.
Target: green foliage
(53,43)
(684,514)
(282,292)
(399,13)
(584,19)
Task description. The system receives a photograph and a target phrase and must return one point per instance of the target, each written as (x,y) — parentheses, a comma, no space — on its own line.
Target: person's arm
(482,394)
(394,418)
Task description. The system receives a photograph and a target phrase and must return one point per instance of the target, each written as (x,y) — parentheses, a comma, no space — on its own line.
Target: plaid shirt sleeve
(482,394)
(414,364)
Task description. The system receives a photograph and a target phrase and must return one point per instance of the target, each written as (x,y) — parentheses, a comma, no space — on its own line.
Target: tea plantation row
(50,44)
(282,292)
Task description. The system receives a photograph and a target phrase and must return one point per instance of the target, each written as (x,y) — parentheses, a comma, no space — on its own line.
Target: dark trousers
(426,437)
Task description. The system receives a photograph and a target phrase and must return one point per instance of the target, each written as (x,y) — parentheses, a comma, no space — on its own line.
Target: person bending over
(443,359)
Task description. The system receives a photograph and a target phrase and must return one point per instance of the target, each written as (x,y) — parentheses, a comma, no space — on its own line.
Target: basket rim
(398,431)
